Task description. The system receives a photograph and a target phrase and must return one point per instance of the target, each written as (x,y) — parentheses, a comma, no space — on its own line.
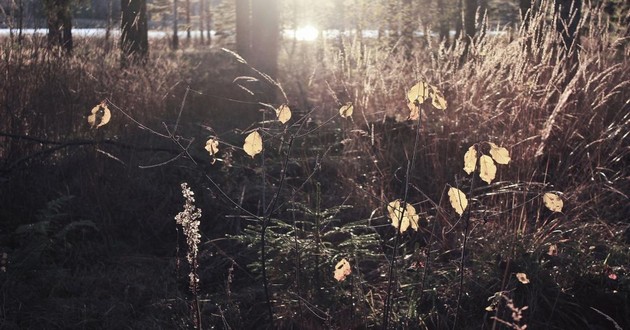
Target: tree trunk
(208,22)
(569,13)
(202,19)
(108,29)
(360,21)
(59,24)
(458,21)
(265,30)
(525,6)
(188,27)
(408,27)
(470,13)
(134,37)
(443,26)
(175,23)
(20,21)
(392,18)
(243,30)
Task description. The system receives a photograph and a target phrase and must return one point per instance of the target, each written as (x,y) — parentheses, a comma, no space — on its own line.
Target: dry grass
(565,122)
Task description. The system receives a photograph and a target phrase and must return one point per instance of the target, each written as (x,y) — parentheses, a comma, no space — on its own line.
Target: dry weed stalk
(188,219)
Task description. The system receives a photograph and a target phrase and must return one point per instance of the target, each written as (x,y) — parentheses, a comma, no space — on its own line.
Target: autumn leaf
(342,270)
(499,154)
(458,200)
(346,110)
(283,113)
(487,169)
(401,220)
(437,99)
(470,160)
(553,202)
(212,145)
(100,115)
(522,277)
(418,93)
(253,144)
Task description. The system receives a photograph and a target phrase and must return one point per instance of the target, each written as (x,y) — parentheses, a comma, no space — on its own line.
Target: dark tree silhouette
(525,6)
(243,31)
(134,41)
(470,14)
(569,13)
(59,20)
(208,20)
(175,24)
(265,36)
(408,27)
(258,29)
(443,23)
(188,20)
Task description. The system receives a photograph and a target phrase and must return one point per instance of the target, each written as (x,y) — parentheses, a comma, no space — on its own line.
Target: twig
(58,145)
(466,219)
(392,264)
(266,220)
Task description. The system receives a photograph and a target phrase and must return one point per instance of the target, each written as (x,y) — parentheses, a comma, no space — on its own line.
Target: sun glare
(306,33)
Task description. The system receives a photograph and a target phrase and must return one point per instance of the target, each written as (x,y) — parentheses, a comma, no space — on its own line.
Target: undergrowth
(90,211)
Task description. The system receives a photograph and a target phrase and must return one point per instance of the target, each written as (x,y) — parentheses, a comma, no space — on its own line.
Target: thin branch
(58,145)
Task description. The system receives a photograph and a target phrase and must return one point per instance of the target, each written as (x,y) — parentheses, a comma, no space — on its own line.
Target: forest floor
(88,235)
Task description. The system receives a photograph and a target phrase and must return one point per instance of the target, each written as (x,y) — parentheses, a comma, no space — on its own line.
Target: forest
(334,164)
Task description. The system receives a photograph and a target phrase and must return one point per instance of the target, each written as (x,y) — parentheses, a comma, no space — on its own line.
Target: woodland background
(88,206)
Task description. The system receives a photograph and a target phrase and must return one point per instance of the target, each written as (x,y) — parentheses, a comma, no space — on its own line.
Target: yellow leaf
(553,250)
(458,200)
(415,111)
(437,99)
(212,145)
(418,93)
(346,110)
(522,277)
(283,113)
(553,202)
(470,160)
(499,154)
(487,169)
(253,144)
(402,221)
(100,115)
(342,269)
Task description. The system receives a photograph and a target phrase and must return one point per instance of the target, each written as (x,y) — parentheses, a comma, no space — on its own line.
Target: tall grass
(564,118)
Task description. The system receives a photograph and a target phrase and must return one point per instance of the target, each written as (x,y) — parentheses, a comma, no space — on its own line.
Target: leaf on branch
(499,154)
(342,270)
(487,169)
(458,200)
(402,220)
(100,115)
(283,113)
(553,202)
(470,160)
(253,144)
(346,110)
(212,146)
(418,93)
(522,277)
